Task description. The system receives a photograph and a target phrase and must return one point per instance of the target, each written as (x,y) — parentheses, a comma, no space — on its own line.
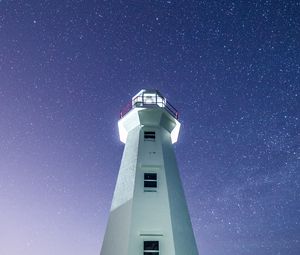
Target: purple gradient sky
(232,70)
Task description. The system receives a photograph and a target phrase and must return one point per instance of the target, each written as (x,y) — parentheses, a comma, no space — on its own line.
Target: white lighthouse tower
(149,215)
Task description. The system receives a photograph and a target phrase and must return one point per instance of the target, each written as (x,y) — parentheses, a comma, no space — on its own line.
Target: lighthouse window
(149,136)
(151,247)
(150,180)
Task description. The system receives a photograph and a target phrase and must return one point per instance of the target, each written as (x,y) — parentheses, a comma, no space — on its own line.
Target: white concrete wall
(116,239)
(151,211)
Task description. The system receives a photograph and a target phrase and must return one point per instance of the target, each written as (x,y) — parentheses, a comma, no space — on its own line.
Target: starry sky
(231,68)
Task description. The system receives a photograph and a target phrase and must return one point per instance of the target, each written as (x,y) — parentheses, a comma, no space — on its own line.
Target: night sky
(231,68)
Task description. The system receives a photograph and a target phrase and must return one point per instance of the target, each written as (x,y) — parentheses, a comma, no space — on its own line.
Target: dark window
(150,184)
(150,176)
(149,136)
(151,253)
(151,245)
(150,180)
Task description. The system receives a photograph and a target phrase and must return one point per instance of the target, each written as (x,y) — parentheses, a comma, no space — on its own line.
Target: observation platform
(149,99)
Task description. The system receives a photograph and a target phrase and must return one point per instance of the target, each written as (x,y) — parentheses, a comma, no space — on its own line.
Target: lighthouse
(149,214)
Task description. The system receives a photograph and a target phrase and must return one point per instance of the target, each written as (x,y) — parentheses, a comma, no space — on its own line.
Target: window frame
(150,182)
(151,249)
(149,136)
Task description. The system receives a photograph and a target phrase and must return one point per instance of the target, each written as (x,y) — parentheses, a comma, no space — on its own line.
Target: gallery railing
(141,101)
